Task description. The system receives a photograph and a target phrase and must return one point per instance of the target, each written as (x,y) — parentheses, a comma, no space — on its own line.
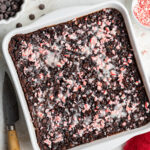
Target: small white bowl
(134,2)
(3,21)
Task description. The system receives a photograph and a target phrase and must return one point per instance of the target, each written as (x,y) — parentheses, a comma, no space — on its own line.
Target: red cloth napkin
(140,142)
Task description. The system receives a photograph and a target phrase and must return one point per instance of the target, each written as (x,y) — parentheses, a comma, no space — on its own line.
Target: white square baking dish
(61,16)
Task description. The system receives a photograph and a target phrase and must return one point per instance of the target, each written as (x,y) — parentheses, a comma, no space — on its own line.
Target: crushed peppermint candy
(142,12)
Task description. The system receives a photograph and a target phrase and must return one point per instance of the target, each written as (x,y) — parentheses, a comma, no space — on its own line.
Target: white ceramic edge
(137,21)
(120,137)
(3,21)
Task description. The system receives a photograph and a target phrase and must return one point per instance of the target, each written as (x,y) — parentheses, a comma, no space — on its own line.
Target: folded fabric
(140,142)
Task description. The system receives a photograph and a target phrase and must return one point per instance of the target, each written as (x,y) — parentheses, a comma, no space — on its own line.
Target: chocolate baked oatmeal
(80,80)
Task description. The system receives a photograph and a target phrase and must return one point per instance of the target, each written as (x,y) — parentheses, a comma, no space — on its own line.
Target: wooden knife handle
(13,143)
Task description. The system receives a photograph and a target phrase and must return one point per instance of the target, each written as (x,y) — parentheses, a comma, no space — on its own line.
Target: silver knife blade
(10,105)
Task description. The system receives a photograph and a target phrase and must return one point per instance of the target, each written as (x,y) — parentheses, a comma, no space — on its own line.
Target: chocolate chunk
(1,16)
(14,7)
(41,6)
(8,3)
(31,16)
(3,7)
(6,16)
(18,25)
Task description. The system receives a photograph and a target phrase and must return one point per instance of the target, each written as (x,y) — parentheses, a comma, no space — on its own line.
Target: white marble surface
(142,35)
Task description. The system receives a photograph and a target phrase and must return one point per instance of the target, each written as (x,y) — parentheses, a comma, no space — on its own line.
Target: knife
(11,113)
